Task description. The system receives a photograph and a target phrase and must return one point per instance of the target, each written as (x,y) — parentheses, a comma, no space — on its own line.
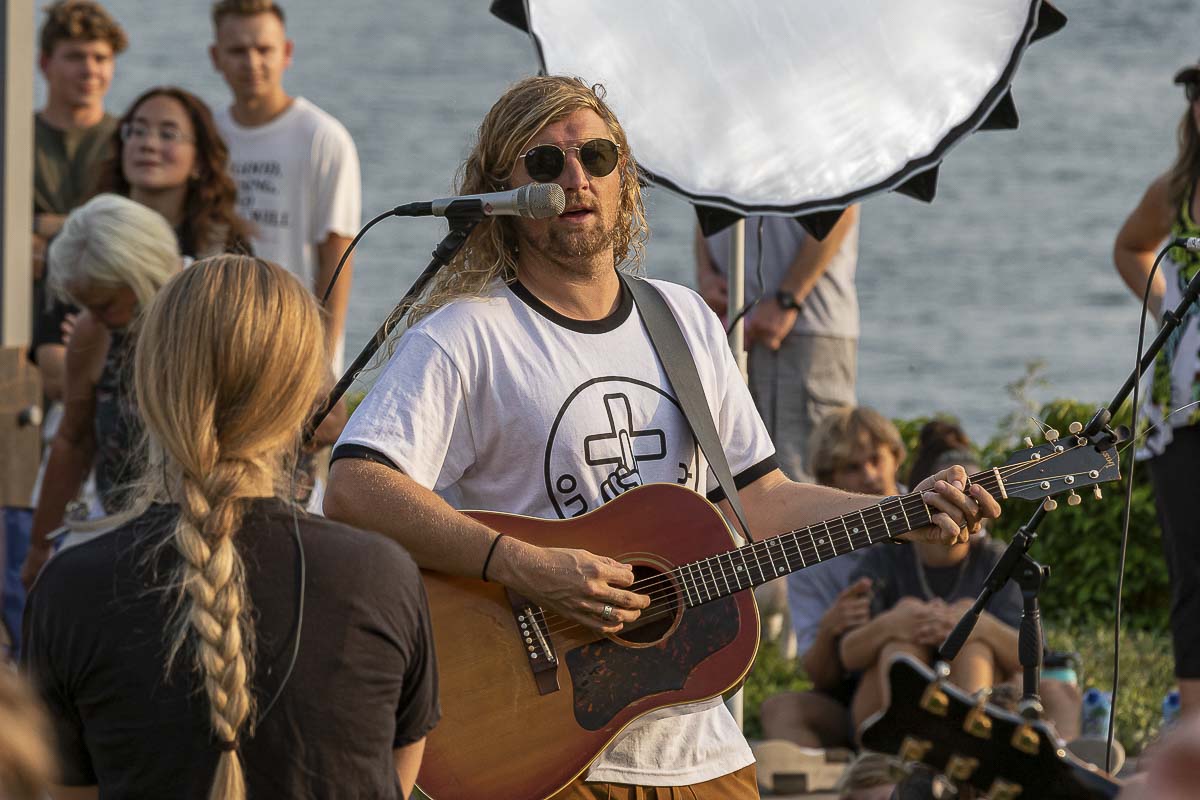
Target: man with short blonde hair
(295,165)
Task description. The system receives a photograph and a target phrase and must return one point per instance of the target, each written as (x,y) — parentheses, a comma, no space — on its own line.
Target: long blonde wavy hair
(491,251)
(227,369)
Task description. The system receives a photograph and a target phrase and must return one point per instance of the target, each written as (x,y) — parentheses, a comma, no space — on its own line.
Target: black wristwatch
(786,300)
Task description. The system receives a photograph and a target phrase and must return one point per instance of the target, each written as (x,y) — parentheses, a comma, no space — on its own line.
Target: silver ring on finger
(607,613)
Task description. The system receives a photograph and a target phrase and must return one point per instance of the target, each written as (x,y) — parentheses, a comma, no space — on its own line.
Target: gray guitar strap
(676,358)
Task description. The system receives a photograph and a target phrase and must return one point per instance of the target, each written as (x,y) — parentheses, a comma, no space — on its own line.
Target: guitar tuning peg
(960,768)
(977,723)
(1028,442)
(1075,427)
(1074,499)
(898,771)
(1099,495)
(1051,435)
(1050,504)
(1003,790)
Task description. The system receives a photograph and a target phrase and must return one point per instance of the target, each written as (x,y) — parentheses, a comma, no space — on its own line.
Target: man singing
(528,385)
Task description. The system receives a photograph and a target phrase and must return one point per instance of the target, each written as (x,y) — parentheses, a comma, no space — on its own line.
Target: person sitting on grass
(919,594)
(858,450)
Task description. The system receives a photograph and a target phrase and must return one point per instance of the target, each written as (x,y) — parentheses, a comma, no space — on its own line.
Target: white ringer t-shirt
(500,403)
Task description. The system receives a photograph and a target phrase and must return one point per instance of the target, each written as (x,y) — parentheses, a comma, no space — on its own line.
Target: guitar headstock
(1061,465)
(977,744)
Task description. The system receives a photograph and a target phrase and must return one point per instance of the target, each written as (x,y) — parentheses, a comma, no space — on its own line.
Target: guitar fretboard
(756,563)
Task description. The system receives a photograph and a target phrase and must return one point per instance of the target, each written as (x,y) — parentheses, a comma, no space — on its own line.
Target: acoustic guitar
(529,699)
(974,743)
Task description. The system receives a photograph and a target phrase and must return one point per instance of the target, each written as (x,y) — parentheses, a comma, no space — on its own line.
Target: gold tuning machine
(934,699)
(1028,442)
(1051,435)
(1073,499)
(914,750)
(1026,739)
(1003,790)
(897,770)
(1096,493)
(977,722)
(1075,427)
(960,768)
(1049,504)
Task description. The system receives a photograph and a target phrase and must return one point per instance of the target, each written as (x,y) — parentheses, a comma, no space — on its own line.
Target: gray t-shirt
(831,308)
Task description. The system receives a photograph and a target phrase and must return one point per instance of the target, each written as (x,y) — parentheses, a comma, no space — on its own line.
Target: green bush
(1081,544)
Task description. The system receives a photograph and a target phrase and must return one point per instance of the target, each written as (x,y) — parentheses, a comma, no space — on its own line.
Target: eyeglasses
(1192,90)
(546,162)
(136,131)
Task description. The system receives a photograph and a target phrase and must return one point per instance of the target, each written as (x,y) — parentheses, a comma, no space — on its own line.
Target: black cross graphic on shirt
(605,448)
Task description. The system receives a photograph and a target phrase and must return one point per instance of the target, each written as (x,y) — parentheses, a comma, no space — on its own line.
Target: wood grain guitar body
(529,700)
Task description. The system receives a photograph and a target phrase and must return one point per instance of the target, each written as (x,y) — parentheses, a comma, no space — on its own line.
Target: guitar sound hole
(659,617)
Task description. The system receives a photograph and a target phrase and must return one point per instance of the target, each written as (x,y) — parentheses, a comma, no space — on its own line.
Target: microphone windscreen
(543,201)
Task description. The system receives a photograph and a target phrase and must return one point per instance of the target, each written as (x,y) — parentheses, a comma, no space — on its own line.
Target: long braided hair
(228,368)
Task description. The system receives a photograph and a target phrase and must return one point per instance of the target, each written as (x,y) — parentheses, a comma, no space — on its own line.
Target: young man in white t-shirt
(528,385)
(296,166)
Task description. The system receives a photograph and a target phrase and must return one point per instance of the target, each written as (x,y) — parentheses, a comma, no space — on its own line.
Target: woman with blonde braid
(219,642)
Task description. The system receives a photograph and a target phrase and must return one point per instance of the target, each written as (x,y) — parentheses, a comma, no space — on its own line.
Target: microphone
(533,200)
(1190,243)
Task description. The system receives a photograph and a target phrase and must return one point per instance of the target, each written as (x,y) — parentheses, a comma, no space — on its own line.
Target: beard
(568,246)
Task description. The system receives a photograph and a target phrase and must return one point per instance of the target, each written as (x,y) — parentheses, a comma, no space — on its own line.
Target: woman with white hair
(110,259)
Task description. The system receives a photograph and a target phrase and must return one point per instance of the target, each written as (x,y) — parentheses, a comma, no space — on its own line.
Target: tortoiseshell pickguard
(608,676)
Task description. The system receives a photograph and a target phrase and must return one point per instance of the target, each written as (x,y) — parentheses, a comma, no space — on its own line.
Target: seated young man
(858,450)
(920,595)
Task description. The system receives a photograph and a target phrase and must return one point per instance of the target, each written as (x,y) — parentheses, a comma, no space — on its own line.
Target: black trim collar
(609,323)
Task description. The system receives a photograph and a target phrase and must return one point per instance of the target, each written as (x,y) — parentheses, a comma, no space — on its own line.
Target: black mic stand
(463,217)
(1016,564)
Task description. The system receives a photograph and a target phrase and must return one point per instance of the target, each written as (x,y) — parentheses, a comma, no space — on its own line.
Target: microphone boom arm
(462,218)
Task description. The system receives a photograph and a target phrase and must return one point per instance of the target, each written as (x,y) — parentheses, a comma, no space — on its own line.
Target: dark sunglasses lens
(544,163)
(599,157)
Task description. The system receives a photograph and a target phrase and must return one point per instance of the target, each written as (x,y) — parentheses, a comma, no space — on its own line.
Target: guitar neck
(758,562)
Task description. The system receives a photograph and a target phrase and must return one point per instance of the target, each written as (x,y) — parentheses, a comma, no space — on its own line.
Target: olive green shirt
(67,164)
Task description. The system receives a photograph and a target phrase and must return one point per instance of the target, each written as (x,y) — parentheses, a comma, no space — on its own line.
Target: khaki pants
(740,785)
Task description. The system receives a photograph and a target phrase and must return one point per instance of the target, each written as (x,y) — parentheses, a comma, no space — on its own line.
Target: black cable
(759,272)
(349,250)
(1112,709)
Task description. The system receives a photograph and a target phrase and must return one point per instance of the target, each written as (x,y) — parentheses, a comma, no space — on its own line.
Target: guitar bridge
(535,639)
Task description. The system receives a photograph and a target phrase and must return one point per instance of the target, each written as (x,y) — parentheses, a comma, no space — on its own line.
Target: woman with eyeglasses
(1171,208)
(171,158)
(218,642)
(110,259)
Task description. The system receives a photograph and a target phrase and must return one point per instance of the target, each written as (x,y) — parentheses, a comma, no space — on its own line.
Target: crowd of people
(206,605)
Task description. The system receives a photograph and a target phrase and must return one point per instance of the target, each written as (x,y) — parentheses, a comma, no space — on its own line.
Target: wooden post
(20,390)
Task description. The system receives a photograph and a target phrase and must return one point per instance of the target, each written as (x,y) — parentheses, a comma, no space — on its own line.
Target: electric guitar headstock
(973,743)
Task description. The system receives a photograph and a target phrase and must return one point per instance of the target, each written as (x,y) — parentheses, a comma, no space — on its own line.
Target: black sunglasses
(1192,90)
(546,162)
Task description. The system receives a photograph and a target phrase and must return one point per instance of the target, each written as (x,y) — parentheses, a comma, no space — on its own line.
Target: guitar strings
(911,502)
(670,585)
(674,587)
